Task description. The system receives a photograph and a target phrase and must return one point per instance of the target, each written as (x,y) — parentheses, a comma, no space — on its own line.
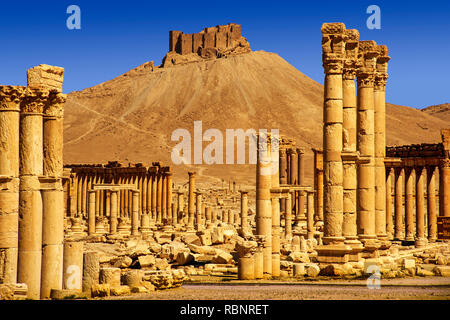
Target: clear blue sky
(117,36)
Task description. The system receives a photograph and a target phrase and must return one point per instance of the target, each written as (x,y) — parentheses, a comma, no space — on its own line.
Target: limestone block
(298,257)
(91,270)
(120,291)
(443,271)
(222,257)
(299,269)
(155,247)
(203,257)
(408,263)
(146,261)
(184,258)
(132,278)
(205,238)
(372,262)
(122,262)
(191,239)
(202,249)
(424,273)
(312,270)
(332,270)
(161,264)
(64,294)
(100,290)
(45,77)
(139,289)
(110,276)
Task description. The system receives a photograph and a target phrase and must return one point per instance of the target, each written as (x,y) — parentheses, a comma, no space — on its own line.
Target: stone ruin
(107,229)
(210,43)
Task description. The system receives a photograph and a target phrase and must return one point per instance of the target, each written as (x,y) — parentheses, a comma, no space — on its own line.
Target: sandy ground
(434,288)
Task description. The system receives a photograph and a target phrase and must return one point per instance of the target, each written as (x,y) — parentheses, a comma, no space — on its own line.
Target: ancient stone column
(191,199)
(169,196)
(159,198)
(53,196)
(164,198)
(91,270)
(208,216)
(144,196)
(420,239)
(198,211)
(301,181)
(9,181)
(230,217)
(409,204)
(310,216)
(283,174)
(318,184)
(180,206)
(431,204)
(294,165)
(154,194)
(224,216)
(389,220)
(444,188)
(91,212)
(333,47)
(174,214)
(73,265)
(263,201)
(244,210)
(288,217)
(30,199)
(366,142)
(380,142)
(349,228)
(135,213)
(399,173)
(113,217)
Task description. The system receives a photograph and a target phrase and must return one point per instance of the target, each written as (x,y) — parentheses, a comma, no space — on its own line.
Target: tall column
(154,195)
(53,197)
(420,204)
(399,173)
(333,47)
(444,188)
(244,211)
(389,220)
(135,213)
(113,217)
(79,195)
(9,180)
(318,184)
(366,143)
(283,174)
(164,198)
(288,217)
(380,142)
(159,198)
(294,165)
(409,204)
(92,195)
(301,181)
(191,200)
(431,204)
(30,207)
(276,194)
(310,216)
(198,211)
(180,206)
(263,202)
(144,196)
(169,196)
(349,228)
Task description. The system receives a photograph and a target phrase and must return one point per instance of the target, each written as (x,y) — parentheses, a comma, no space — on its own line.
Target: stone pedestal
(73,265)
(246,268)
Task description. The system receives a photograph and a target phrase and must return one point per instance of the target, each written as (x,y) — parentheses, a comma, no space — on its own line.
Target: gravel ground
(394,289)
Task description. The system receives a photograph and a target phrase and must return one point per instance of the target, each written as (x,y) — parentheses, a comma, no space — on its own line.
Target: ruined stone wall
(220,37)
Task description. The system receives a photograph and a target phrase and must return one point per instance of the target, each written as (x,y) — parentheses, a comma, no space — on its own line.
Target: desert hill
(131,118)
(441,111)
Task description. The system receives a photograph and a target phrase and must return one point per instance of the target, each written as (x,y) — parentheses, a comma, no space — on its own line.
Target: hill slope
(132,117)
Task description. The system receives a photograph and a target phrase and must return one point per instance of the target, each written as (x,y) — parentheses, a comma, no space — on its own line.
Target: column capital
(10,97)
(367,57)
(54,107)
(351,62)
(333,47)
(34,101)
(381,75)
(192,173)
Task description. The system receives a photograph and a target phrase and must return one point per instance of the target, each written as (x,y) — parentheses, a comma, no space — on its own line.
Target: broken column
(73,265)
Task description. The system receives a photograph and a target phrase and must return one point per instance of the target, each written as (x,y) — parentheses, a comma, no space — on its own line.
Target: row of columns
(30,177)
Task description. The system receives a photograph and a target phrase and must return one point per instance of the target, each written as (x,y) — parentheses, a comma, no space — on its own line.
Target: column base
(371,246)
(421,242)
(333,253)
(356,254)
